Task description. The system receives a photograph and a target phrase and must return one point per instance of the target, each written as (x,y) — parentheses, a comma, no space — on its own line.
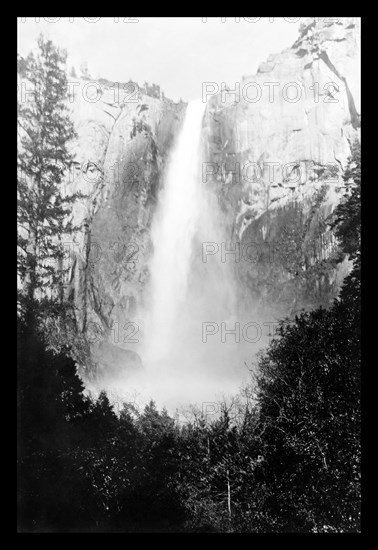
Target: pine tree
(347,222)
(44,131)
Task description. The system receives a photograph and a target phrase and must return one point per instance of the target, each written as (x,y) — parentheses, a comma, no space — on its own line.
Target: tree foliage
(44,132)
(347,223)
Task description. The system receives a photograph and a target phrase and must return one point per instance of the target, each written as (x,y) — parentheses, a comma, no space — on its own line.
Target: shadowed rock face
(113,361)
(288,151)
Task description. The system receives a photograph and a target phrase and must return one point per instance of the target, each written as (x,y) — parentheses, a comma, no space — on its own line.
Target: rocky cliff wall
(274,155)
(124,138)
(276,152)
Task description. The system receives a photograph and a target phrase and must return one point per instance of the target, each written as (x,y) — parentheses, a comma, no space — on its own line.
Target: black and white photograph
(189,275)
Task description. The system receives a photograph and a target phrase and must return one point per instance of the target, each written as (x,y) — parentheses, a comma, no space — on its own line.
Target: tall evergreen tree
(44,131)
(347,222)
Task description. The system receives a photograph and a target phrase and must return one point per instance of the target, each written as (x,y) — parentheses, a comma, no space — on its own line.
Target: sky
(178,53)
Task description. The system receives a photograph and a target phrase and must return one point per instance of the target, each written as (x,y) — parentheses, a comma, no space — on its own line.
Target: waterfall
(173,231)
(185,291)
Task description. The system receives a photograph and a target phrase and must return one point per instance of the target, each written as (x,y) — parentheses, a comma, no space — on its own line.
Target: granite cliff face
(124,137)
(287,134)
(274,155)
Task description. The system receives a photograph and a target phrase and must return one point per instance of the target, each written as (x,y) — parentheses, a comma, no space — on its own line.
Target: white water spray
(185,292)
(173,231)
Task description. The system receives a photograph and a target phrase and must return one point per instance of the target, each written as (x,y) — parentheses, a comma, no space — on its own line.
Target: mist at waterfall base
(185,362)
